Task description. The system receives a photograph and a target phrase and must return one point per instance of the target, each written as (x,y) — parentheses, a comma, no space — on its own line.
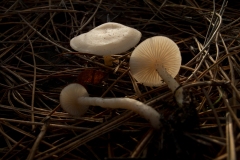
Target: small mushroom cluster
(155,59)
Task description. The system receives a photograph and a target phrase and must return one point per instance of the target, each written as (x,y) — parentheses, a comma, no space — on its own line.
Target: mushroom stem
(108,60)
(172,83)
(140,108)
(75,100)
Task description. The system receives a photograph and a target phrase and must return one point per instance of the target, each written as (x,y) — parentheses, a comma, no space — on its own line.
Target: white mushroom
(74,99)
(107,39)
(156,59)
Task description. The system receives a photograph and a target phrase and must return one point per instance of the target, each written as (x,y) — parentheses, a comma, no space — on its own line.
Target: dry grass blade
(139,149)
(231,150)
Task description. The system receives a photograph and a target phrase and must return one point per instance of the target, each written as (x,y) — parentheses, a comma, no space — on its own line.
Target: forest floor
(36,62)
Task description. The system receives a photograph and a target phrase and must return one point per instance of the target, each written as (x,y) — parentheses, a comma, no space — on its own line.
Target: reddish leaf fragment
(91,76)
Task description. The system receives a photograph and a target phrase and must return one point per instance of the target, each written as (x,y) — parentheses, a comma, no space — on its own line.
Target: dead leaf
(91,76)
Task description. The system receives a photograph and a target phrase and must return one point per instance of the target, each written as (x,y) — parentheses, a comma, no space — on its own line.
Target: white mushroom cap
(69,99)
(149,54)
(107,39)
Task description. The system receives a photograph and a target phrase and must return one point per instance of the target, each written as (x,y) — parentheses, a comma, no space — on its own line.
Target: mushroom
(107,39)
(74,99)
(155,59)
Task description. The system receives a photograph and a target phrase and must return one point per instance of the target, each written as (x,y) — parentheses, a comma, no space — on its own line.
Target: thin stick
(34,84)
(231,150)
(142,144)
(38,140)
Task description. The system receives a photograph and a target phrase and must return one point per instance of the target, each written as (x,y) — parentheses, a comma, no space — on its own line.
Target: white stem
(140,108)
(172,84)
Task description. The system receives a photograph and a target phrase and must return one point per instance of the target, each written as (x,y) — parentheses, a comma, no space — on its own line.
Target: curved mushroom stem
(172,84)
(140,108)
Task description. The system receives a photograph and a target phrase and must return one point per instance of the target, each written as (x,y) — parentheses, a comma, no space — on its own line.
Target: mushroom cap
(154,51)
(69,99)
(107,39)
